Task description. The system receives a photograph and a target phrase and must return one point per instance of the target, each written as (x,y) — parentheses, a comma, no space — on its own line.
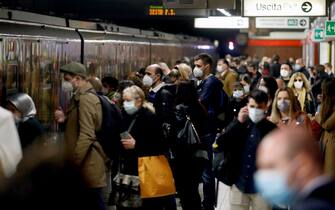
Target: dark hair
(320,68)
(276,58)
(289,65)
(272,86)
(159,71)
(206,59)
(224,61)
(253,65)
(259,96)
(111,82)
(328,98)
(246,78)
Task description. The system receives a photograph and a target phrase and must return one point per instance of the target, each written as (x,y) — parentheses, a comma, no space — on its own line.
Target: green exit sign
(330,28)
(318,34)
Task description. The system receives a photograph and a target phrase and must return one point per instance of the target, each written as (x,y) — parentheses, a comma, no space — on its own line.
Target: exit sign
(318,34)
(330,28)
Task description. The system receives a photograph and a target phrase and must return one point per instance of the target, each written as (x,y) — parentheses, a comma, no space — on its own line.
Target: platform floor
(223,198)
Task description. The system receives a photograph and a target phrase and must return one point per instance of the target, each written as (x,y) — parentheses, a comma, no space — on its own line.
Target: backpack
(109,134)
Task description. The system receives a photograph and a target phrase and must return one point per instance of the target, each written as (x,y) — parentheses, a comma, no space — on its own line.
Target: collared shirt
(245,182)
(153,91)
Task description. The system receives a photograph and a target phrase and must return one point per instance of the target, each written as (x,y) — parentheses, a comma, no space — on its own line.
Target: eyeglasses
(299,80)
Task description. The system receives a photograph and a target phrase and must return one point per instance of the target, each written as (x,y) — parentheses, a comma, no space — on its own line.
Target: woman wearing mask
(327,122)
(245,81)
(237,101)
(23,108)
(286,110)
(226,75)
(269,86)
(144,139)
(302,90)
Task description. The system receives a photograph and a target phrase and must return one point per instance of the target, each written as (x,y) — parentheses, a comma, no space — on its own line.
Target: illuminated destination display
(160,11)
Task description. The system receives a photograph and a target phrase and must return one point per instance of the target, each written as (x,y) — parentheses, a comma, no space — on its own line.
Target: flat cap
(74,68)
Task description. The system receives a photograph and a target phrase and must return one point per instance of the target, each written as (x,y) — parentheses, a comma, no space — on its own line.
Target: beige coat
(228,80)
(328,144)
(80,135)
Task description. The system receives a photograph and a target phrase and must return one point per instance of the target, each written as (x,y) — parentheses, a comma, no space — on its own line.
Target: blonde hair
(185,71)
(307,86)
(137,93)
(275,116)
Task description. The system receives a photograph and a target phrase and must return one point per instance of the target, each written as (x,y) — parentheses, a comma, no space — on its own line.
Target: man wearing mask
(254,75)
(285,72)
(153,80)
(239,143)
(300,67)
(290,171)
(82,119)
(209,91)
(226,75)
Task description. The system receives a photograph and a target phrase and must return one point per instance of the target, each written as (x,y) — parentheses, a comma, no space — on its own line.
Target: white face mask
(238,93)
(129,107)
(284,73)
(256,115)
(298,84)
(263,88)
(246,88)
(219,69)
(197,72)
(147,81)
(297,67)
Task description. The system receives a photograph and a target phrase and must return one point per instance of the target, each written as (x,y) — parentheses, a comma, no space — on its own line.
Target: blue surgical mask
(283,105)
(272,186)
(129,107)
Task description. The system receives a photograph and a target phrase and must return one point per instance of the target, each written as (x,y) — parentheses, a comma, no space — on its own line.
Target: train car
(32,53)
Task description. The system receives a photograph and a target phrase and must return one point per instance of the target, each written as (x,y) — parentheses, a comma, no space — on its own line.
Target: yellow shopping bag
(156,179)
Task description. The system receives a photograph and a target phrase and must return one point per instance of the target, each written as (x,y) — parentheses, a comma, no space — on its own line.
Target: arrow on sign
(306,6)
(330,28)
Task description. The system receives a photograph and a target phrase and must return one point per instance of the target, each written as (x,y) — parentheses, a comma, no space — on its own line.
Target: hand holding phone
(127,140)
(125,135)
(243,114)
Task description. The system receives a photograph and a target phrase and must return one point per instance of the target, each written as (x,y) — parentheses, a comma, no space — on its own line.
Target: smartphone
(125,135)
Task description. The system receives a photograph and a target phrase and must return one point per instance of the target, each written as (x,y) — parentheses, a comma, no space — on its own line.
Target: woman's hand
(128,143)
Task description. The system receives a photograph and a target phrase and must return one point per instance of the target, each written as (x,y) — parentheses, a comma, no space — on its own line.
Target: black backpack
(109,134)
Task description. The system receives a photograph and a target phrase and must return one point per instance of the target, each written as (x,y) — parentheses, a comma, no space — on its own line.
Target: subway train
(32,53)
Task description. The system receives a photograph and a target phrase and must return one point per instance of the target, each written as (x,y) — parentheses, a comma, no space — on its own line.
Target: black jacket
(232,142)
(320,198)
(166,101)
(148,137)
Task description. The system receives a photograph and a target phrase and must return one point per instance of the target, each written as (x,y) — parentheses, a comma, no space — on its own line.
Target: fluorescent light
(204,47)
(222,22)
(223,11)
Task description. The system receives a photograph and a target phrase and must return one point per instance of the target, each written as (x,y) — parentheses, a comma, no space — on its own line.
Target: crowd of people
(274,122)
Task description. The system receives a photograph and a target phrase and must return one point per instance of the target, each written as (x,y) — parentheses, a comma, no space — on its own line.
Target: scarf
(301,95)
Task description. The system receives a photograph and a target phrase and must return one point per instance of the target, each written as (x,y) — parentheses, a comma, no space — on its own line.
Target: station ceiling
(133,13)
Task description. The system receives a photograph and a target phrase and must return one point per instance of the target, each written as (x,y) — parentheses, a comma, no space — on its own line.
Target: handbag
(126,192)
(125,187)
(188,135)
(156,179)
